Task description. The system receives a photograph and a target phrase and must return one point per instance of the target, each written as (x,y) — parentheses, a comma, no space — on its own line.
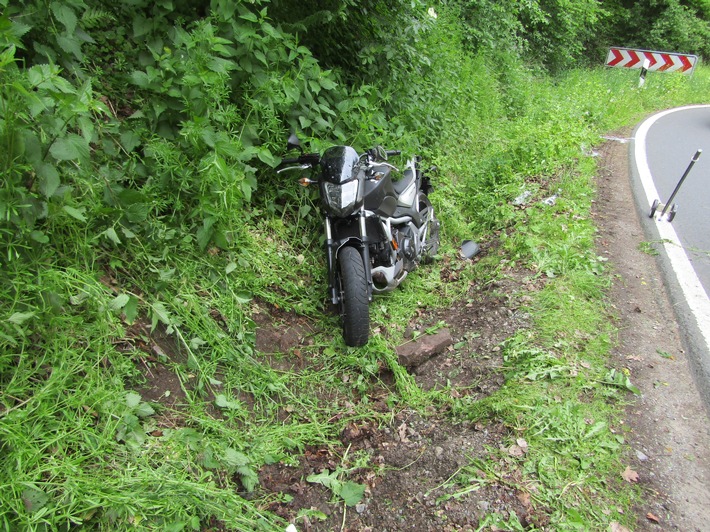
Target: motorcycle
(377,229)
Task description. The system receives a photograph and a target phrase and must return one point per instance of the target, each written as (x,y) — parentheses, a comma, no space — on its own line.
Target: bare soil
(416,456)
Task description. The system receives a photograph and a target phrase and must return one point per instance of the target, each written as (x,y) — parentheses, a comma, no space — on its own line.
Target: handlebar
(314,158)
(306,158)
(302,162)
(378,153)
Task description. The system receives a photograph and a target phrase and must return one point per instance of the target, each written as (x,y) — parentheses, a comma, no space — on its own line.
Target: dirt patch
(415,459)
(479,324)
(154,351)
(411,462)
(669,429)
(279,332)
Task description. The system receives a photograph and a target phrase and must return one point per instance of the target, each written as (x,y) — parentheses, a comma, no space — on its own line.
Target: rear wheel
(354,304)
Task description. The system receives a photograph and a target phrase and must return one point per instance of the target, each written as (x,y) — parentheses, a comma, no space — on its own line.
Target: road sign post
(644,71)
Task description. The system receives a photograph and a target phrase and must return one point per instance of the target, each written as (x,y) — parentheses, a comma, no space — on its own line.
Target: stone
(416,352)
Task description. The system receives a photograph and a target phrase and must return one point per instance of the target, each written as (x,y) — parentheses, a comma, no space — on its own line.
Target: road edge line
(687,279)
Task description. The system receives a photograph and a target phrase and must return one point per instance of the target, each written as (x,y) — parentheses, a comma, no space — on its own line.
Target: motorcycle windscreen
(338,164)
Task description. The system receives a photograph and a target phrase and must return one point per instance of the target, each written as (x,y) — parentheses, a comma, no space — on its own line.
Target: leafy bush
(668,26)
(46,135)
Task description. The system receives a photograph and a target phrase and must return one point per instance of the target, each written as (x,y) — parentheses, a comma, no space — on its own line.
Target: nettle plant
(215,104)
(47,128)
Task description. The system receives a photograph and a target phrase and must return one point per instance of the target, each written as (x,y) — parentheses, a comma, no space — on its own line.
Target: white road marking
(688,280)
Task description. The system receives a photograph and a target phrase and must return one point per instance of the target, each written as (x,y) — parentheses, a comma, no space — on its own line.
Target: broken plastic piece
(470,249)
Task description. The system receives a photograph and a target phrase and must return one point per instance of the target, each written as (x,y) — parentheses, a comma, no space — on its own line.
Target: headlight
(341,199)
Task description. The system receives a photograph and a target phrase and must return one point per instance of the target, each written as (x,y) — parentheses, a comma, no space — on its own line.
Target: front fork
(331,253)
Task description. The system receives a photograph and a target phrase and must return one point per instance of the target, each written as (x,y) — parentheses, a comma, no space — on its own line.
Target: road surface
(661,150)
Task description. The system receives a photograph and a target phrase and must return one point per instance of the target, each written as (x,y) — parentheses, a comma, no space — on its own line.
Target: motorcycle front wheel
(354,305)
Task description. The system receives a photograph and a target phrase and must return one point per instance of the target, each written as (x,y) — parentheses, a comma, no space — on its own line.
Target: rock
(418,351)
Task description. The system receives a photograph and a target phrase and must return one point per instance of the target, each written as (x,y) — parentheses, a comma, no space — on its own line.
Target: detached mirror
(294,143)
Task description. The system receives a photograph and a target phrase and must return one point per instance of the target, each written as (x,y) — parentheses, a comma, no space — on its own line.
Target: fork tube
(330,260)
(366,251)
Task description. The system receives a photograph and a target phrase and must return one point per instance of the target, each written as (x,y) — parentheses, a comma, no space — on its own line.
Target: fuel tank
(380,195)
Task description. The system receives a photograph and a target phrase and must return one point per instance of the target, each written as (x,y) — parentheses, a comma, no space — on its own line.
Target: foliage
(668,25)
(556,33)
(142,227)
(46,134)
(350,492)
(561,33)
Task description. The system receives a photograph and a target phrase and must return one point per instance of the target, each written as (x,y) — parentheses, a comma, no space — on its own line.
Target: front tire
(354,304)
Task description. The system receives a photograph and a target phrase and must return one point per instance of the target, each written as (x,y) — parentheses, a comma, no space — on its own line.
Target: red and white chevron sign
(659,61)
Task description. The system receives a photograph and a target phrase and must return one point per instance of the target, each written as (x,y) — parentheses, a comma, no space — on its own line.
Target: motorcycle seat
(402,184)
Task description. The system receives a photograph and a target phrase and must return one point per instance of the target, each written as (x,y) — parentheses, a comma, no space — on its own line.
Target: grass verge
(87,438)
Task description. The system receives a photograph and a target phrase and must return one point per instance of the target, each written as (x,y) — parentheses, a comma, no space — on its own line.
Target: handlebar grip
(290,160)
(393,152)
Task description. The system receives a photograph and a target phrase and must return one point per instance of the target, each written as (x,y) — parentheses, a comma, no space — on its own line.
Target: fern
(95,17)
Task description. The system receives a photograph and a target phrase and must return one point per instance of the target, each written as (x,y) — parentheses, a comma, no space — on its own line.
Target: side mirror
(294,143)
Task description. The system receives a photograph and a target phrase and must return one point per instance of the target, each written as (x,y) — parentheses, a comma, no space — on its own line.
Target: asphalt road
(670,144)
(661,151)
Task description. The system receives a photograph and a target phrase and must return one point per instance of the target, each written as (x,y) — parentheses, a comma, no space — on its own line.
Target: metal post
(687,171)
(644,70)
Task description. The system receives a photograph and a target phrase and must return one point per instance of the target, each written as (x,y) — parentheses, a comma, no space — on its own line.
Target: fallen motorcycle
(377,230)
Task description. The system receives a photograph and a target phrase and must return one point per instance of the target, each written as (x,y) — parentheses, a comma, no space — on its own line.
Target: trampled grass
(79,444)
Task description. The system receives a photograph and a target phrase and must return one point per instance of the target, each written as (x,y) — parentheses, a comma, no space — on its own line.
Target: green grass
(559,400)
(80,445)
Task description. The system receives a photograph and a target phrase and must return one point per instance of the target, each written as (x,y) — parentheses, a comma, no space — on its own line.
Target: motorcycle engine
(408,248)
(406,240)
